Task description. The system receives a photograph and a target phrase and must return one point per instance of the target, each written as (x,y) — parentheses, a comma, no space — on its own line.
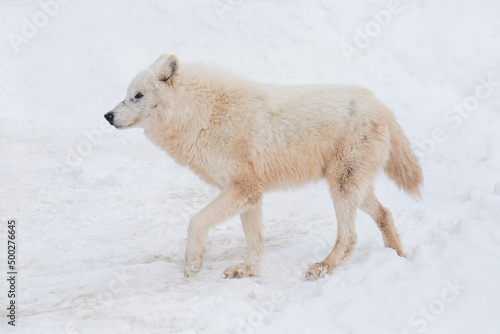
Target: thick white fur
(246,138)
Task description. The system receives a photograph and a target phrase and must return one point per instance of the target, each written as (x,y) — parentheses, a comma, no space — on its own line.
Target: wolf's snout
(109,117)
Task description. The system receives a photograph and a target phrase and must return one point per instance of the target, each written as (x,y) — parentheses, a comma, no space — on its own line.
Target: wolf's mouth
(122,127)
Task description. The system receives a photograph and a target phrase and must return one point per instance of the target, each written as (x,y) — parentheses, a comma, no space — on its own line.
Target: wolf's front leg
(251,220)
(237,197)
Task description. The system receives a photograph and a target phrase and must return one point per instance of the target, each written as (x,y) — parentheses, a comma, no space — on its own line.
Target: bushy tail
(403,166)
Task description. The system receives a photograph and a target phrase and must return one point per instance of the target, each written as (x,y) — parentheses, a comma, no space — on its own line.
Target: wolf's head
(150,89)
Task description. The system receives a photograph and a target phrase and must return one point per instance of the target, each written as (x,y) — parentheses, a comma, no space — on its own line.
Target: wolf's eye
(138,95)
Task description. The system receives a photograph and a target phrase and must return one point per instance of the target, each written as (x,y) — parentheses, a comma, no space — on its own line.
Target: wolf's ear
(169,69)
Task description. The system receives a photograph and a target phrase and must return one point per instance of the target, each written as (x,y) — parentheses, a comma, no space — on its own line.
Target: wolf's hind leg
(382,216)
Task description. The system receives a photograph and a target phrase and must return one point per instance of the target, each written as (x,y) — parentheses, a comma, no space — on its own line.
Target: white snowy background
(102,214)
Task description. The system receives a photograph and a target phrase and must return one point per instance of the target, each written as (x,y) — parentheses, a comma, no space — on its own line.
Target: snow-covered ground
(102,214)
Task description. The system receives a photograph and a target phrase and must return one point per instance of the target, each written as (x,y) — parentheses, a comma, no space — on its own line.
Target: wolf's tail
(403,166)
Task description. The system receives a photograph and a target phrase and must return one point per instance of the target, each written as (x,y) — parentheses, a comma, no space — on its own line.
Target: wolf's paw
(191,268)
(318,270)
(240,270)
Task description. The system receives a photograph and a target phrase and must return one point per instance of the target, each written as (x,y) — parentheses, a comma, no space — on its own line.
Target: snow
(103,214)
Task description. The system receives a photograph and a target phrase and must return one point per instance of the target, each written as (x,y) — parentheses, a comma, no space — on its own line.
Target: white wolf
(246,138)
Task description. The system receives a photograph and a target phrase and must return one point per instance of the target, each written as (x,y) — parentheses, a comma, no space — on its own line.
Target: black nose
(109,117)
